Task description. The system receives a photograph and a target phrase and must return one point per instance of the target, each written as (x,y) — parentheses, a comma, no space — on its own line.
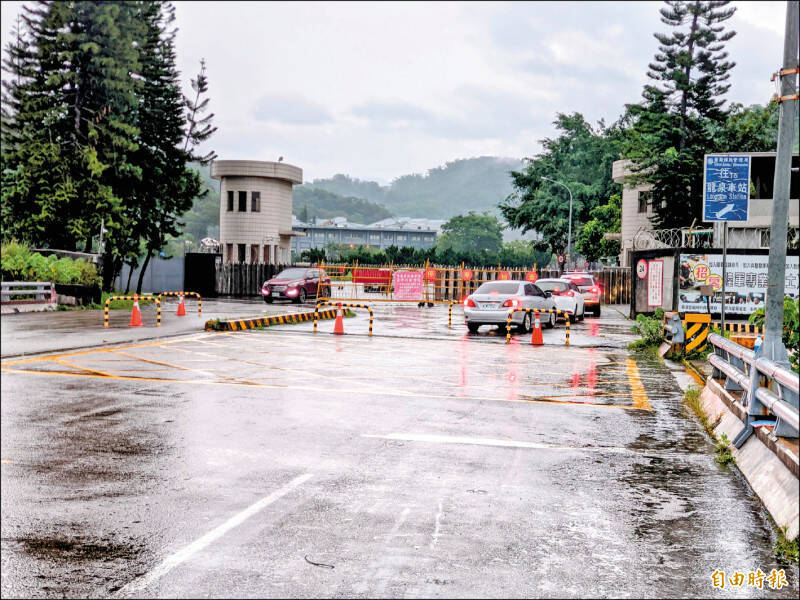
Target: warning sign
(407,285)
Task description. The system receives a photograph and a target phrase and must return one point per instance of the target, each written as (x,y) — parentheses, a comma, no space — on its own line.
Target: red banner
(467,274)
(531,276)
(430,274)
(503,275)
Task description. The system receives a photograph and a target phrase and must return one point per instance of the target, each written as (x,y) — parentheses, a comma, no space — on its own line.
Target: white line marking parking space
(199,544)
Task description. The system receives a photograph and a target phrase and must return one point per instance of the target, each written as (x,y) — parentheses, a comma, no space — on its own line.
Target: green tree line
(681,117)
(96,133)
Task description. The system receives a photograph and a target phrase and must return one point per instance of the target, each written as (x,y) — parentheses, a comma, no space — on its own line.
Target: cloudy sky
(379,90)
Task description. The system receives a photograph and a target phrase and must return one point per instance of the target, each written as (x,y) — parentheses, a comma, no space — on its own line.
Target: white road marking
(447,439)
(436,527)
(182,555)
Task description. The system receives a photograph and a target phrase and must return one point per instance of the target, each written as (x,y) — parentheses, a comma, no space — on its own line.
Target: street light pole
(569,234)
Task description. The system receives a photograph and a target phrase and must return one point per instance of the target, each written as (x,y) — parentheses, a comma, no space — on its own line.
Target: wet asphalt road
(420,462)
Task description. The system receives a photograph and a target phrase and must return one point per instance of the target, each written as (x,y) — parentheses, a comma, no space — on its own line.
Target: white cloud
(378,90)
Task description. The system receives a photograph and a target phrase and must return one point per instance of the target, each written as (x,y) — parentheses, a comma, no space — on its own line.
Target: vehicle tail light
(555,293)
(468,301)
(569,293)
(511,303)
(595,290)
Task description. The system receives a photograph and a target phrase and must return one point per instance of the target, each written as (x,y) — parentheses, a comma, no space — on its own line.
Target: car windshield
(291,274)
(498,287)
(581,279)
(549,286)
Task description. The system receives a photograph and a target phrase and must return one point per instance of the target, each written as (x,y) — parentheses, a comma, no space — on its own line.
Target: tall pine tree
(672,127)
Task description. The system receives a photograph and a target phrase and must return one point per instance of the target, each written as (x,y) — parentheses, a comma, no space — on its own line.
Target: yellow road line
(637,388)
(95,371)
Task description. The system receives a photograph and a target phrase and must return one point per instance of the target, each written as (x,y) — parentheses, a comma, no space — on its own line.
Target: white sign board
(655,283)
(745,288)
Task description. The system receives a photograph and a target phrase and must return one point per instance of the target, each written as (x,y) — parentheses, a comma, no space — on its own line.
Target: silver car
(490,303)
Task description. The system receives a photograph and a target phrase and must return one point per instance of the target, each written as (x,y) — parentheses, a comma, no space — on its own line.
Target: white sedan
(491,302)
(566,295)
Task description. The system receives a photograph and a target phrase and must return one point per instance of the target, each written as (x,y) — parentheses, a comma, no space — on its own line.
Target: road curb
(242,324)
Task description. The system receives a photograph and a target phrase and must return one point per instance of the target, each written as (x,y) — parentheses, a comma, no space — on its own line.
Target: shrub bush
(791,327)
(650,328)
(18,263)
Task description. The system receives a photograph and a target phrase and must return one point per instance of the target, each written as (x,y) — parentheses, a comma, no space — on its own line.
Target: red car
(297,284)
(590,290)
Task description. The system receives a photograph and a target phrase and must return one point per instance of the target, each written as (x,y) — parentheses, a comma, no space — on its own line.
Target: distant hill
(309,202)
(477,184)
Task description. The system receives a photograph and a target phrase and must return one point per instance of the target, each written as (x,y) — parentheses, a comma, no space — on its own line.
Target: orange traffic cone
(136,316)
(536,336)
(338,326)
(181,308)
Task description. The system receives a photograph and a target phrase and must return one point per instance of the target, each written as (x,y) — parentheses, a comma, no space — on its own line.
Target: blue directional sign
(726,187)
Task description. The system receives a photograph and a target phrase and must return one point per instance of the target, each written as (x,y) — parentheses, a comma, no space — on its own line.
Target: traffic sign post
(726,197)
(726,188)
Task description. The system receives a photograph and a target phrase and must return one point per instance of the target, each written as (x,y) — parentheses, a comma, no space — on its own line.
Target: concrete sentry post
(773,347)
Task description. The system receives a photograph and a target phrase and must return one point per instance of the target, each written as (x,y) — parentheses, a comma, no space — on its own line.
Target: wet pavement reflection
(422,461)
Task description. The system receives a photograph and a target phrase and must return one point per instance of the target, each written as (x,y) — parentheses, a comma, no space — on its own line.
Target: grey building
(416,233)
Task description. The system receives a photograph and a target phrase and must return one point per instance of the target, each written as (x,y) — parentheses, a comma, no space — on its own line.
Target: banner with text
(746,284)
(407,285)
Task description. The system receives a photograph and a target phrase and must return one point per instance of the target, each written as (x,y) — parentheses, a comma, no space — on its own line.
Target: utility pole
(773,347)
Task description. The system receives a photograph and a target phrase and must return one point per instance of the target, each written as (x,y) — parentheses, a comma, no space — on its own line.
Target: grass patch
(691,398)
(723,450)
(785,548)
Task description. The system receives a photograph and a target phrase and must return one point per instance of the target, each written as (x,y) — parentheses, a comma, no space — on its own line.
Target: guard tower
(255,210)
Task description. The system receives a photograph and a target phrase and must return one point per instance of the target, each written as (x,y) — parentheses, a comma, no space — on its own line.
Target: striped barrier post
(199,299)
(344,304)
(539,310)
(450,313)
(141,299)
(697,331)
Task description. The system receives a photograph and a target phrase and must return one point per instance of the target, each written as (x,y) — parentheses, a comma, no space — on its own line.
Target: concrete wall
(770,469)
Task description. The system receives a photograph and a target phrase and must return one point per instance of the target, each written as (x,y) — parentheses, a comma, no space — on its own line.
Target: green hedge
(18,263)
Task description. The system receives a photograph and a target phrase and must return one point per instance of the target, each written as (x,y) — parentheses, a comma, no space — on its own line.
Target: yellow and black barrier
(195,294)
(538,310)
(742,327)
(450,313)
(137,297)
(242,324)
(697,326)
(342,304)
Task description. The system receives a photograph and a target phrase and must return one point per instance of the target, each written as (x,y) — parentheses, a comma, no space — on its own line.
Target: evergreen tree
(168,186)
(200,128)
(672,127)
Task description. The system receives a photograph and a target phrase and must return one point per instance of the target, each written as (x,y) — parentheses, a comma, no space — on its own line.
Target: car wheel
(551,321)
(597,311)
(582,315)
(473,327)
(527,323)
(301,296)
(268,299)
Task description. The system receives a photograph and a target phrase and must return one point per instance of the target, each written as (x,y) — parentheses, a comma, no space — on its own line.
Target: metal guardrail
(39,291)
(339,306)
(184,294)
(769,390)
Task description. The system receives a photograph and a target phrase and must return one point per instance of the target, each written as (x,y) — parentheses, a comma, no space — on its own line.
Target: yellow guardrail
(340,305)
(135,297)
(199,299)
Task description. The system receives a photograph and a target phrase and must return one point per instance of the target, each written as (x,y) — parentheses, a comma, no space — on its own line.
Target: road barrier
(33,292)
(537,310)
(342,304)
(687,335)
(243,324)
(769,390)
(697,331)
(443,284)
(450,313)
(184,294)
(135,297)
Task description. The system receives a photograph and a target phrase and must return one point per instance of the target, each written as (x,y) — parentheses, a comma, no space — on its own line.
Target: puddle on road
(76,549)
